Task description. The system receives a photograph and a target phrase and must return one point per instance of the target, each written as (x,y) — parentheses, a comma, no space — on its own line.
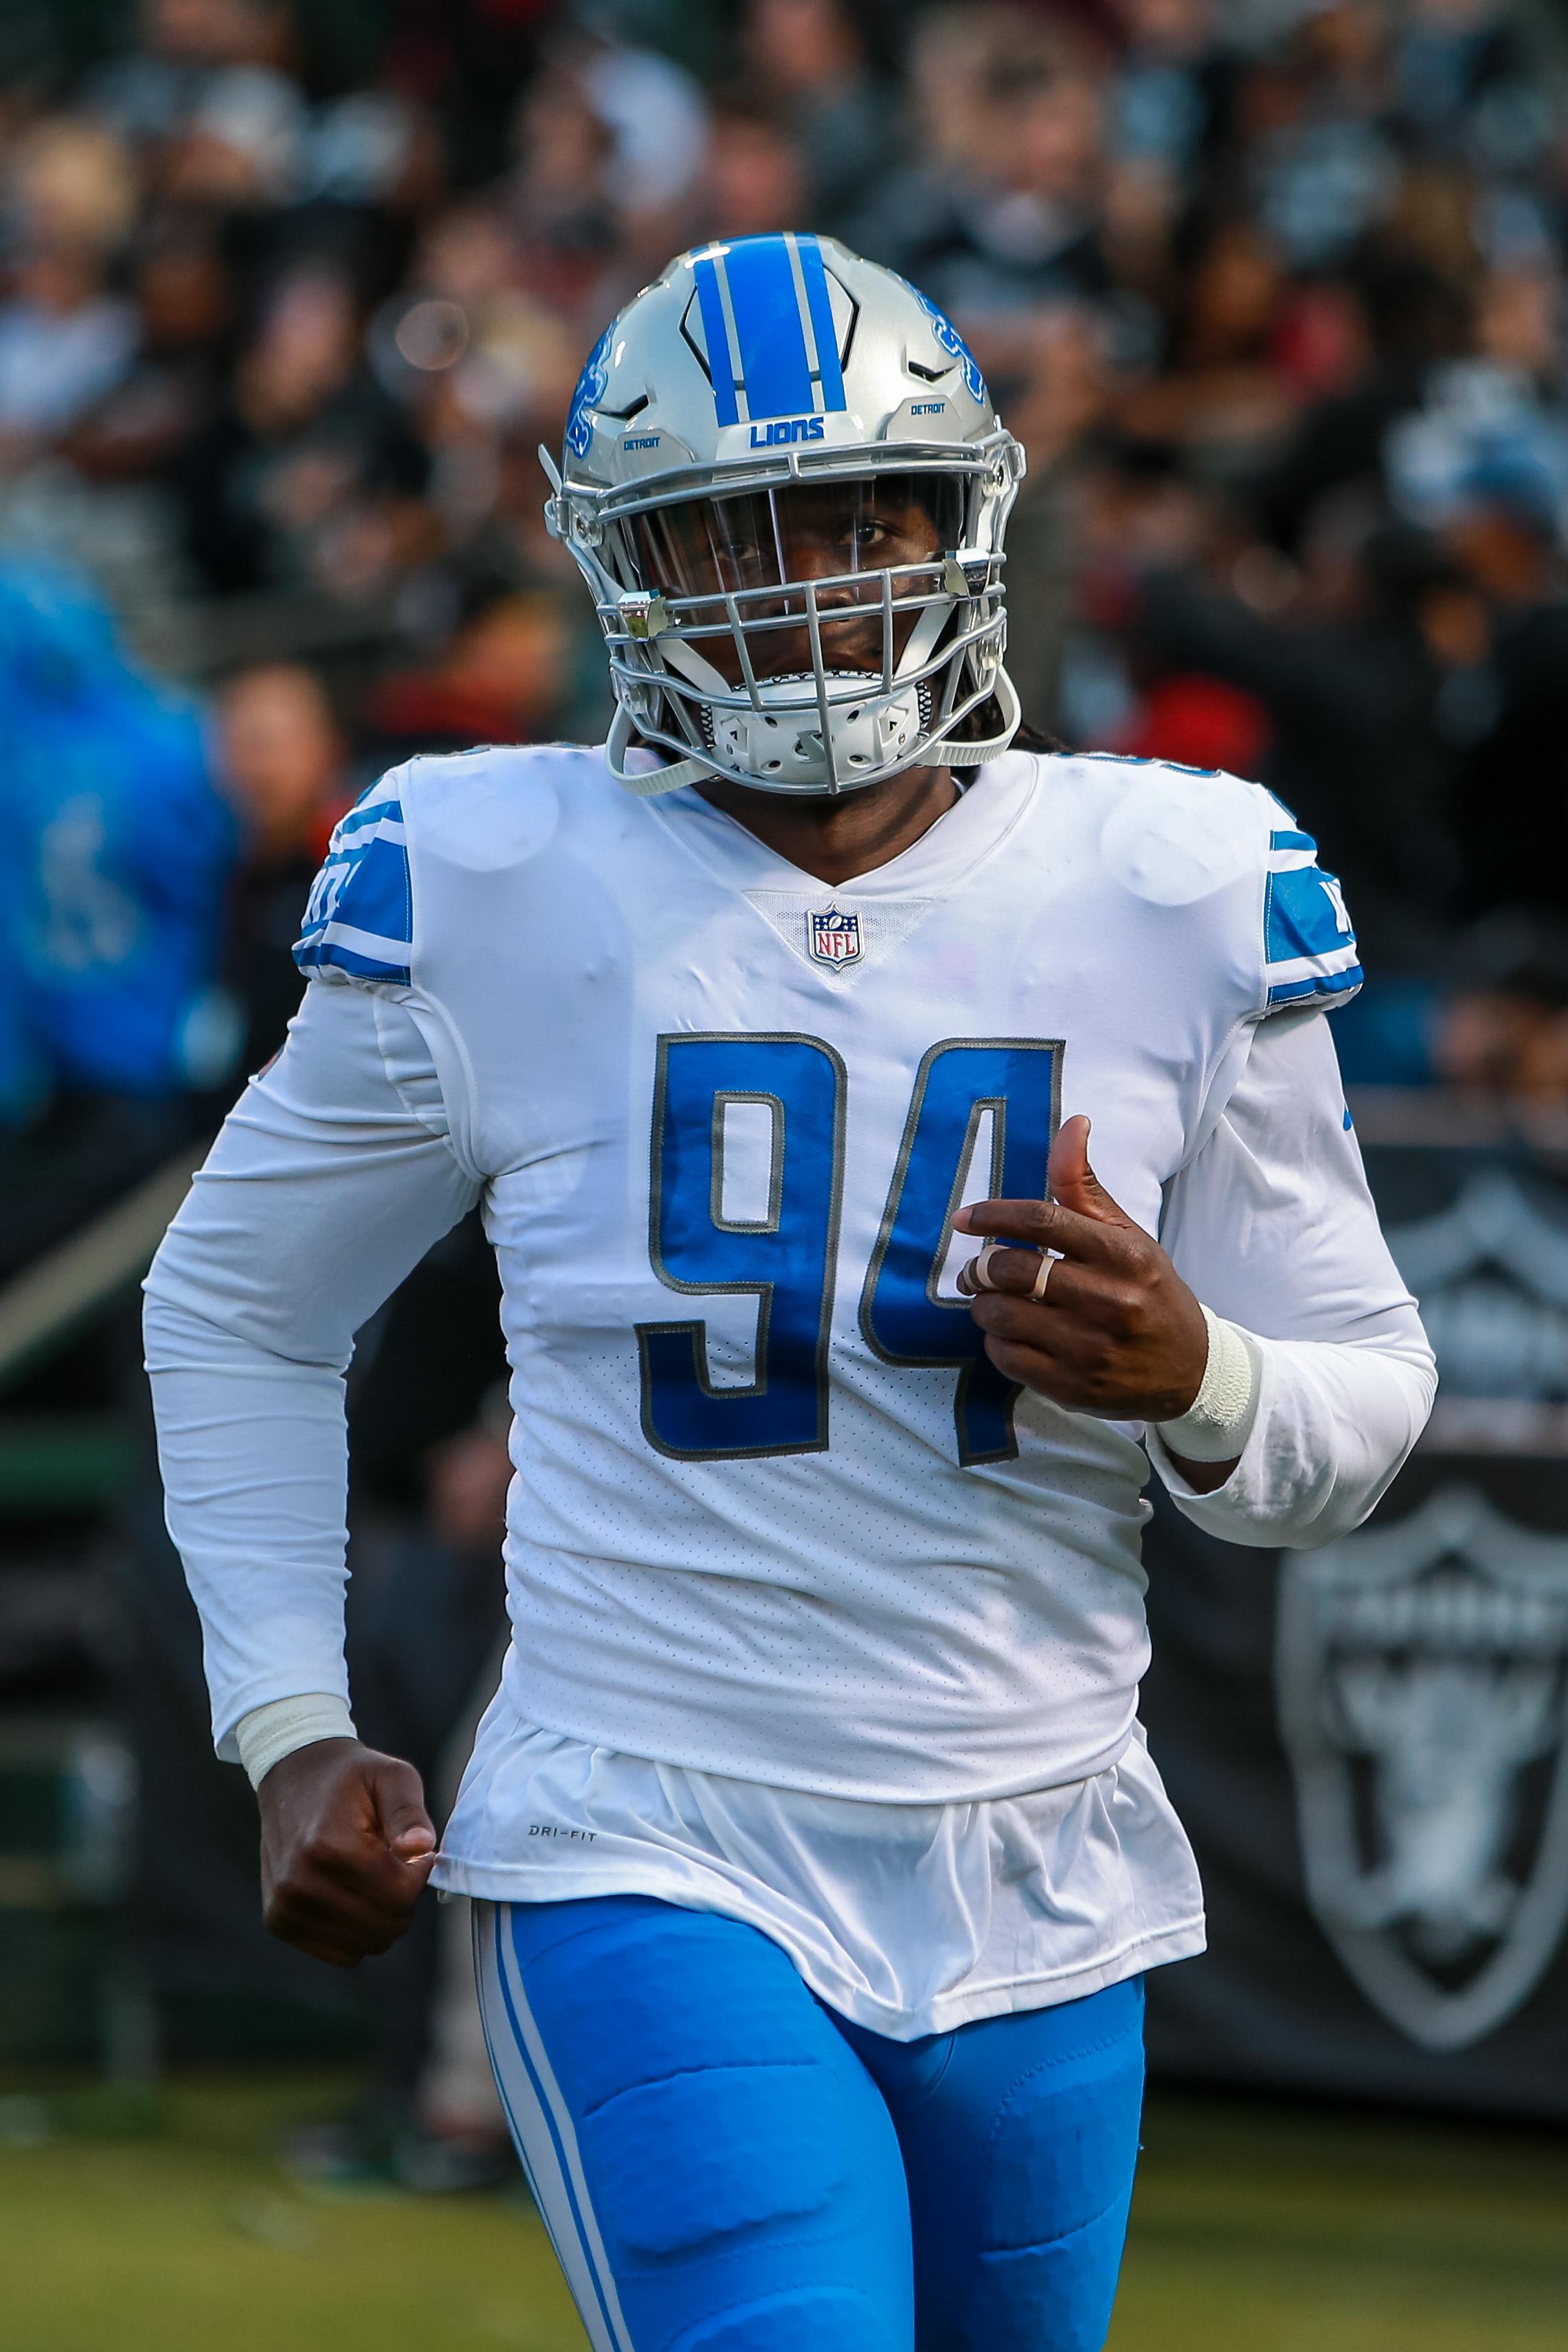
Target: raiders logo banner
(1369,1744)
(1420,1674)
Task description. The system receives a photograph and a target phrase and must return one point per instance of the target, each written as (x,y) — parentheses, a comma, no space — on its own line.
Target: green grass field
(1257,2229)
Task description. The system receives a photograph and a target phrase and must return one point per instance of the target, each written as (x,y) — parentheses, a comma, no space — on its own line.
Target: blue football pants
(725,2165)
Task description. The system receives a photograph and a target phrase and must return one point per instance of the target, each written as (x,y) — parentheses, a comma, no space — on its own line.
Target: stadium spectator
(120,847)
(815,58)
(755,170)
(1366,724)
(1001,209)
(65,339)
(184,309)
(503,678)
(114,854)
(282,766)
(191,55)
(308,475)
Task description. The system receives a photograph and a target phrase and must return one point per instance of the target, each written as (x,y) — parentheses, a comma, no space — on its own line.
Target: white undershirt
(910,1919)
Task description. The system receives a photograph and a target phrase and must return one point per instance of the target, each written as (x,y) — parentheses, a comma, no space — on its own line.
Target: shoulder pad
(360,916)
(1310,950)
(495,806)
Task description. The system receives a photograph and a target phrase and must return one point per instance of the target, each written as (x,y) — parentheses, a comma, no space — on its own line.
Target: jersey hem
(1044,1988)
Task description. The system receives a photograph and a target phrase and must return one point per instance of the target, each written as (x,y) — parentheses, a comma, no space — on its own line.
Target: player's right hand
(346,1848)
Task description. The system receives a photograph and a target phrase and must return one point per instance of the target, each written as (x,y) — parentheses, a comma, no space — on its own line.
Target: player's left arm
(1313,1344)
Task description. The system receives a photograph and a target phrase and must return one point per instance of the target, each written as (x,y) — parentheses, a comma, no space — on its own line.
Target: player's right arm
(331,1179)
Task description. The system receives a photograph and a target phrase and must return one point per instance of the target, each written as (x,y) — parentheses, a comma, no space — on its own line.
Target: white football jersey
(776,1514)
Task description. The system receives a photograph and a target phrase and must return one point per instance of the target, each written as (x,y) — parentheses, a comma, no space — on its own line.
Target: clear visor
(806,530)
(835,535)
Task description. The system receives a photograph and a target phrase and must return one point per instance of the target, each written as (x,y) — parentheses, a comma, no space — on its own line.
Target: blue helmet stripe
(775,370)
(716,334)
(829,373)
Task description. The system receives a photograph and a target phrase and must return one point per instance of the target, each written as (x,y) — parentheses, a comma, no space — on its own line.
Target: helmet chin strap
(652,782)
(698,671)
(990,747)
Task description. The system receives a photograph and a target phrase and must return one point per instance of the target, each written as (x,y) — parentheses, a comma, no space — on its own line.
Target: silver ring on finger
(1043,1275)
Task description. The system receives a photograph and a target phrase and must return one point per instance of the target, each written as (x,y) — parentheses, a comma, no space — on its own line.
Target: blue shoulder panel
(1309,948)
(360,911)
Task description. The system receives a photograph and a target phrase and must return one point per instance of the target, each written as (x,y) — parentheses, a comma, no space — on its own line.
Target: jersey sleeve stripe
(1333,988)
(1310,945)
(343,956)
(366,944)
(1344,958)
(360,916)
(383,824)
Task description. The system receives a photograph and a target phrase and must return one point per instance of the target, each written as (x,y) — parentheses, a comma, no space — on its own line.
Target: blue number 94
(784,1257)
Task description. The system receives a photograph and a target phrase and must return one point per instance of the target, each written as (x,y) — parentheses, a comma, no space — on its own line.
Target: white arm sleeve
(332,1177)
(1272,1224)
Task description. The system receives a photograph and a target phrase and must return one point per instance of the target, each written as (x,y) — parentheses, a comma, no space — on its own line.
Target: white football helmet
(786,487)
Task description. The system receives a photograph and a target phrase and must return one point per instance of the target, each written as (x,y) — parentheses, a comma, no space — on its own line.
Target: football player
(893,1139)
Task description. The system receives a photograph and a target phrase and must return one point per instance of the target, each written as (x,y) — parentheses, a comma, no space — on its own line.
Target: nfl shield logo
(834,936)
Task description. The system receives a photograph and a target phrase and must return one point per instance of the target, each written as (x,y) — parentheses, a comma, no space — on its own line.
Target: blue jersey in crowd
(115,848)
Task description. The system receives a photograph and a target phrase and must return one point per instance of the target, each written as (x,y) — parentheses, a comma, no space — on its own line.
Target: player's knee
(827,2319)
(697,2160)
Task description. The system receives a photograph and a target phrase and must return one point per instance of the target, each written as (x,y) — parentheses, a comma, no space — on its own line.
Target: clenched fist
(346,1848)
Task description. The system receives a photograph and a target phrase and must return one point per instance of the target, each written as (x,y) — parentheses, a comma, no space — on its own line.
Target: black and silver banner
(1369,1743)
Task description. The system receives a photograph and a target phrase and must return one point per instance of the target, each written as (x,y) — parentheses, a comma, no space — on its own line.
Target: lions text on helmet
(786,487)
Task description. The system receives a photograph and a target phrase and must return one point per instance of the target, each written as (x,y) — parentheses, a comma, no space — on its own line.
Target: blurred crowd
(1272,290)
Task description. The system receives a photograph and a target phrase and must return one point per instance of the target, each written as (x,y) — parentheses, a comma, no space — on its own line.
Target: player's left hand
(1117,1332)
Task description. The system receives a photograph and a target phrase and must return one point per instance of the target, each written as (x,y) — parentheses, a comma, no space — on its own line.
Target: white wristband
(1218,1422)
(267,1734)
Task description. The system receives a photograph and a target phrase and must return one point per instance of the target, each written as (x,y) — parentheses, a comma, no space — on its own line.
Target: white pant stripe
(541,2126)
